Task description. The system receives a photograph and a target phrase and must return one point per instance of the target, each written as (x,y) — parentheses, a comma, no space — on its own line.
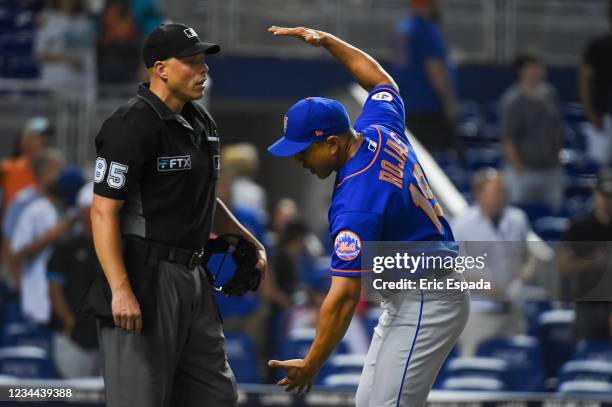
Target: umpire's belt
(159,251)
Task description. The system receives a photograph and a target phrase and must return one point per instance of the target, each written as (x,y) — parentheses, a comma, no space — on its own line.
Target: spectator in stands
(306,315)
(118,43)
(65,49)
(532,134)
(585,260)
(428,76)
(46,166)
(491,226)
(16,173)
(70,270)
(596,94)
(148,15)
(241,163)
(38,227)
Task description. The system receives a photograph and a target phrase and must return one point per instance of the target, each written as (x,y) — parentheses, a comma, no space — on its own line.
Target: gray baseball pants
(179,359)
(414,335)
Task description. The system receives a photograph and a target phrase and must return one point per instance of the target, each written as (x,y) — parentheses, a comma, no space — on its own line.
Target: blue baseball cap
(308,121)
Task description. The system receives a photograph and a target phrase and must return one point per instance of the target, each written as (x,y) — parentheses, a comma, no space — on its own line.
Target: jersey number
(116,173)
(421,196)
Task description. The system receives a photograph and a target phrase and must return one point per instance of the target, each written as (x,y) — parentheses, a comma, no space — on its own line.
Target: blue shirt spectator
(428,77)
(423,41)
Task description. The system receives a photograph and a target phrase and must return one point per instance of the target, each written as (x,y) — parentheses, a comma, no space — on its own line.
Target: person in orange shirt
(16,173)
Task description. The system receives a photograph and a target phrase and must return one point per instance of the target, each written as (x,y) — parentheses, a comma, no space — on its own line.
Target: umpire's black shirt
(164,166)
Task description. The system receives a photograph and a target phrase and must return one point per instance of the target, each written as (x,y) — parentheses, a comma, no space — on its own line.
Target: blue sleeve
(383,107)
(348,232)
(10,220)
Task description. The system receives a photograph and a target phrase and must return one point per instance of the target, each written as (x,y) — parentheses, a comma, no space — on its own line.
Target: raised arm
(366,71)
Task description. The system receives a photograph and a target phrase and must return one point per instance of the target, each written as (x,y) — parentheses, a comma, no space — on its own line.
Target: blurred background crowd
(512,99)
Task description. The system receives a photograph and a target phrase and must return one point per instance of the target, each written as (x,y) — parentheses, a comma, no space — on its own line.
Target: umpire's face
(186,76)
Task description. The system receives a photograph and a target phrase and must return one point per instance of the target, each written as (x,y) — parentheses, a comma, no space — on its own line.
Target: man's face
(31,144)
(186,76)
(319,158)
(533,73)
(492,197)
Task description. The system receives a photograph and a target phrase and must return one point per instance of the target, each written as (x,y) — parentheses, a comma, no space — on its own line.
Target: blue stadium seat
(242,357)
(593,350)
(551,228)
(532,311)
(340,365)
(25,334)
(579,185)
(26,362)
(370,319)
(471,383)
(298,342)
(556,338)
(489,368)
(477,158)
(536,211)
(11,313)
(573,113)
(343,380)
(597,370)
(522,353)
(586,387)
(443,373)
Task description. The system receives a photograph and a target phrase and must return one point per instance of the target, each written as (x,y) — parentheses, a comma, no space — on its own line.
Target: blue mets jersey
(381,193)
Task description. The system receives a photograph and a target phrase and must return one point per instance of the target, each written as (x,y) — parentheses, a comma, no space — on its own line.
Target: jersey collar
(162,110)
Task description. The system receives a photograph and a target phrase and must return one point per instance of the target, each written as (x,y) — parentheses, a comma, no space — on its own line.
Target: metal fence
(478,30)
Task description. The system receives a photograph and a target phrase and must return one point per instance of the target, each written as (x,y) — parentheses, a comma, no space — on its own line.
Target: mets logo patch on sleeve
(347,245)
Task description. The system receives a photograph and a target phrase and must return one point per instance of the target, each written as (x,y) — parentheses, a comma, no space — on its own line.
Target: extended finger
(276,363)
(138,324)
(129,324)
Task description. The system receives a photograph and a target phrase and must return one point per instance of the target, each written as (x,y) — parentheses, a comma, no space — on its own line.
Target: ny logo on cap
(190,32)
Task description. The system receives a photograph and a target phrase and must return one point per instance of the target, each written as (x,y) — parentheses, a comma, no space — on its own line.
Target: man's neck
(352,145)
(161,91)
(529,89)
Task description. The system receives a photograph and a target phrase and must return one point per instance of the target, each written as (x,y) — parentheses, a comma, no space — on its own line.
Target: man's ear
(160,70)
(333,143)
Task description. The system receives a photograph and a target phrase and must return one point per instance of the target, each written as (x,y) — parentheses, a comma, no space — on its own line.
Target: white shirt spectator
(60,34)
(35,221)
(473,225)
(505,259)
(506,253)
(248,195)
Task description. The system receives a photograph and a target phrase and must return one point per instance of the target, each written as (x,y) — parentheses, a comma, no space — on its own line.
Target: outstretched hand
(308,35)
(299,375)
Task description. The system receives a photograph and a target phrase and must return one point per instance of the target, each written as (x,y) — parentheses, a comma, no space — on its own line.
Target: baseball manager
(154,208)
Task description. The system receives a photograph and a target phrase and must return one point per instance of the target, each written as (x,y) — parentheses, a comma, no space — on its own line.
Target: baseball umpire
(380,194)
(154,208)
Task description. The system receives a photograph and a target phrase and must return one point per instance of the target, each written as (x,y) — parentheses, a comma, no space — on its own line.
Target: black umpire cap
(174,40)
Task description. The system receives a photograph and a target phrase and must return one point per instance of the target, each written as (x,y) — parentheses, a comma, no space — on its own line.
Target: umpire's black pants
(179,359)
